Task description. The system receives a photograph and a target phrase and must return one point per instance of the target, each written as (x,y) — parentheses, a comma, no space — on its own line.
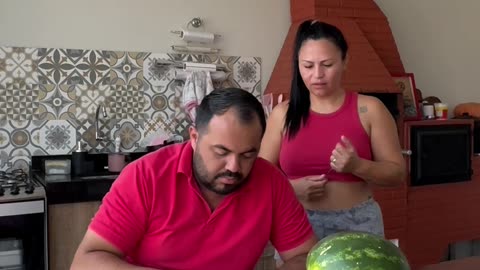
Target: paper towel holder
(195,22)
(180,33)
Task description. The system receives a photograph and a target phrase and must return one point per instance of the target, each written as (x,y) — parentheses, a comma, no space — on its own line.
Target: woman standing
(333,144)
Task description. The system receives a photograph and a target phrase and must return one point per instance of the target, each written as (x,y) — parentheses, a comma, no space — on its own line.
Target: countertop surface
(470,263)
(72,189)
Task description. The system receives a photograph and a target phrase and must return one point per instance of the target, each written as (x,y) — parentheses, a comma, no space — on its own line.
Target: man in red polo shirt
(209,203)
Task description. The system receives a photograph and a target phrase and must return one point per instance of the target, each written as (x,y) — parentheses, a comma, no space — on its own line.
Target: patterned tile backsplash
(48,98)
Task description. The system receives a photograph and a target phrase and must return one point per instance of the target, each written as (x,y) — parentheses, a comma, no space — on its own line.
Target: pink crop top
(308,153)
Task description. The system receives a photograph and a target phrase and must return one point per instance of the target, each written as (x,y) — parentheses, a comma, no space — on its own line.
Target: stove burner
(17,174)
(14,181)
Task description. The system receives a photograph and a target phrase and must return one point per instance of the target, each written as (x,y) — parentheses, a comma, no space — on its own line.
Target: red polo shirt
(155,214)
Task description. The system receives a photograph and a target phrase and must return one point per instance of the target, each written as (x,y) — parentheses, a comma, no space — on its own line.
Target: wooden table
(470,263)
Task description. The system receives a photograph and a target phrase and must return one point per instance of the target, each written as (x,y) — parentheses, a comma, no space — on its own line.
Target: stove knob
(2,191)
(14,190)
(29,188)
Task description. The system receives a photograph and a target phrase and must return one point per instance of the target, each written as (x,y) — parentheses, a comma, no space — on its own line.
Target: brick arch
(366,29)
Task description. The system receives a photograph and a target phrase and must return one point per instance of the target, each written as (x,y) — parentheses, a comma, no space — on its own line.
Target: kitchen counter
(69,189)
(73,189)
(469,263)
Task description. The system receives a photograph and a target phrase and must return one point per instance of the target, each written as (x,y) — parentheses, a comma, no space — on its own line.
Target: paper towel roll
(217,76)
(200,66)
(200,37)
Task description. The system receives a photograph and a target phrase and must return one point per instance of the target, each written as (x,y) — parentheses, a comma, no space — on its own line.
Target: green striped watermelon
(356,251)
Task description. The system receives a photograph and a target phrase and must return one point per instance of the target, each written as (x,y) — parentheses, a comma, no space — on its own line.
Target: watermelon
(356,251)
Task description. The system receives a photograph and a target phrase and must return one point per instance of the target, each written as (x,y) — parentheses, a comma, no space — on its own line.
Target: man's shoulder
(266,169)
(167,151)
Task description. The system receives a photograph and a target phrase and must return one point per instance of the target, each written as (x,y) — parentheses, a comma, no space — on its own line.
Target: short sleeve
(291,227)
(123,216)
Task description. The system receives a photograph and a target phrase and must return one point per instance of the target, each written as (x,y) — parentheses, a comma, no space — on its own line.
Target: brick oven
(424,219)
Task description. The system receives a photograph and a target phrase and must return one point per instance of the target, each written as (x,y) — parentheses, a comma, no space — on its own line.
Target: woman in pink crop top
(333,144)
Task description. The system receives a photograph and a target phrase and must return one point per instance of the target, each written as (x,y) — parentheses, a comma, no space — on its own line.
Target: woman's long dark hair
(299,104)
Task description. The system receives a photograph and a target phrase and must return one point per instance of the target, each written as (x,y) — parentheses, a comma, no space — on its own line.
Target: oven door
(22,235)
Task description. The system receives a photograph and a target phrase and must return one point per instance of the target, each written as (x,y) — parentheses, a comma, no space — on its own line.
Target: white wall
(248,27)
(437,39)
(439,42)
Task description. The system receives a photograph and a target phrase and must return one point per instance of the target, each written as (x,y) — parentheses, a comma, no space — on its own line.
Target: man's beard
(201,175)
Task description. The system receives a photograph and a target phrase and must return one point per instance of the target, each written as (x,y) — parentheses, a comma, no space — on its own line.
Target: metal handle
(407,152)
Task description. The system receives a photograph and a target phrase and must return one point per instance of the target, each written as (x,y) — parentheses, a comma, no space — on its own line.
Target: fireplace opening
(462,249)
(390,100)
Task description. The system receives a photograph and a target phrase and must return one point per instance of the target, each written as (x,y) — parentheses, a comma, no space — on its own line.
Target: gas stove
(17,185)
(23,222)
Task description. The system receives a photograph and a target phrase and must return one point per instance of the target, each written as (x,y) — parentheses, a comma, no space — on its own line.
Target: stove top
(17,185)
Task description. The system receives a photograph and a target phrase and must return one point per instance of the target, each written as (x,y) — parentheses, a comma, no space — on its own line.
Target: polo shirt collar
(185,162)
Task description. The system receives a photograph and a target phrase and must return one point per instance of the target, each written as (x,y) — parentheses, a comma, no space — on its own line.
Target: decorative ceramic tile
(179,121)
(127,68)
(18,101)
(56,65)
(160,87)
(17,162)
(125,101)
(48,98)
(67,66)
(130,132)
(16,138)
(160,104)
(156,131)
(157,77)
(56,137)
(85,130)
(56,102)
(88,98)
(185,57)
(247,73)
(18,65)
(4,161)
(4,138)
(176,103)
(226,61)
(181,126)
(95,65)
(159,123)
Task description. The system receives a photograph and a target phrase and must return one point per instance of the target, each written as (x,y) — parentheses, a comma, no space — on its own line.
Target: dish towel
(198,84)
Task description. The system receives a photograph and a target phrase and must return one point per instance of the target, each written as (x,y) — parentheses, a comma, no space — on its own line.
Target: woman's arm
(96,253)
(388,166)
(272,139)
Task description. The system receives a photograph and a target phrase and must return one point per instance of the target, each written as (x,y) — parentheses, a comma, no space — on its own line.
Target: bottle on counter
(118,142)
(79,157)
(116,160)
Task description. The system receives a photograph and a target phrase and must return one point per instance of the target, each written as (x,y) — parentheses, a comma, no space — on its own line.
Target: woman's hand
(344,157)
(310,187)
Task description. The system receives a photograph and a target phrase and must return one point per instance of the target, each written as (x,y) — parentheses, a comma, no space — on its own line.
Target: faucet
(98,136)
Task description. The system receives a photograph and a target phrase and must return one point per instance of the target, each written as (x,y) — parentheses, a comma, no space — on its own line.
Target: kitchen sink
(99,177)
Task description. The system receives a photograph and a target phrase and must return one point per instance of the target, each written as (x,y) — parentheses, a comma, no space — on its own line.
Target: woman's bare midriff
(340,195)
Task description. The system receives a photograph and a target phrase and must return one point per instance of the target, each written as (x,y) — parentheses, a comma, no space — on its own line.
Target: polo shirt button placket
(208,228)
